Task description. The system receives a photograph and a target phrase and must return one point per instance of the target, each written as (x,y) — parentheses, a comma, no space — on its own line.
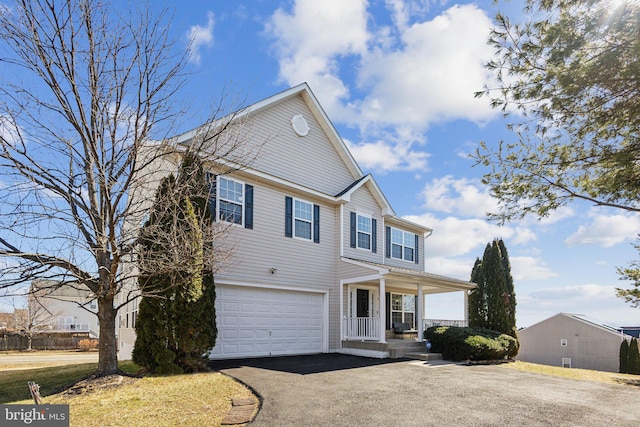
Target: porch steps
(394,349)
(424,356)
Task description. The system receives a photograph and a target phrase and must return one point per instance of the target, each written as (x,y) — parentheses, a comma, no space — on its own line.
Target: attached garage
(256,322)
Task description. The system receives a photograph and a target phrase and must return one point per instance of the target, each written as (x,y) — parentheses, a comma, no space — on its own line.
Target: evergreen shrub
(470,343)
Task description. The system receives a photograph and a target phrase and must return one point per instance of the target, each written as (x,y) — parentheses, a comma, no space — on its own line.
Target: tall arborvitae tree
(176,319)
(624,357)
(477,297)
(633,364)
(492,304)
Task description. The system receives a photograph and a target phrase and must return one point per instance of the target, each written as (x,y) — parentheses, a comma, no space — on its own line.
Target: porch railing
(72,327)
(439,322)
(365,328)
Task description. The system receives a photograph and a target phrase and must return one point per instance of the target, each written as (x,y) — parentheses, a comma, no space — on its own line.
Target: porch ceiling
(409,279)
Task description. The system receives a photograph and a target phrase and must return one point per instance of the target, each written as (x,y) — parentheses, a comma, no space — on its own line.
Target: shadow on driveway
(303,365)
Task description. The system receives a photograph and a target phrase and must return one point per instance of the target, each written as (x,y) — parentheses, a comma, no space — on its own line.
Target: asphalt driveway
(341,390)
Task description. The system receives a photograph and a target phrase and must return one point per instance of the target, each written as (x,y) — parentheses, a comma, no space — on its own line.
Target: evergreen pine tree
(624,357)
(492,304)
(477,297)
(176,320)
(634,358)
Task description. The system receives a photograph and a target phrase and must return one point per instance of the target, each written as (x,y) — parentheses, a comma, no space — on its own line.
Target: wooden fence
(40,342)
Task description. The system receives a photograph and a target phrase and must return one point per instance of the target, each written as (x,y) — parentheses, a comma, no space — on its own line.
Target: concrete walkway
(340,390)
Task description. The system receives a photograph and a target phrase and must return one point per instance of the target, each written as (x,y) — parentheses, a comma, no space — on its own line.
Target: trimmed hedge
(470,343)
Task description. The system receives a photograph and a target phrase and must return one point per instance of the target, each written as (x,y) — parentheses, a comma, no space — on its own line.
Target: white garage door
(266,322)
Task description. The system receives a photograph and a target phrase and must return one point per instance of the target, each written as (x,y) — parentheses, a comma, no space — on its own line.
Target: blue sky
(397,79)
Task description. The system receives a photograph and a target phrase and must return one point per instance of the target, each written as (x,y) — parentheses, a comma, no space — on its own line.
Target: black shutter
(288,216)
(374,235)
(387,303)
(316,223)
(211,182)
(387,237)
(416,251)
(248,206)
(353,229)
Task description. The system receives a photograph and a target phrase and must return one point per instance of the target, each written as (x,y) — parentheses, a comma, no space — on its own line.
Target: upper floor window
(364,232)
(402,245)
(301,219)
(230,200)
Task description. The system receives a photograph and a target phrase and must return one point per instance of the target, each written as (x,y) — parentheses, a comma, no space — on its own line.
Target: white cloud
(432,75)
(413,73)
(10,132)
(463,197)
(606,230)
(530,268)
(454,237)
(200,37)
(309,39)
(384,156)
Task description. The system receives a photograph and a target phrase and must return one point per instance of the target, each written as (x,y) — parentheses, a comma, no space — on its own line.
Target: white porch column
(420,313)
(466,307)
(383,312)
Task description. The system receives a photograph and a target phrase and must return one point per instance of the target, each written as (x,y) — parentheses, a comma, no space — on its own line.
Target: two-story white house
(321,258)
(67,309)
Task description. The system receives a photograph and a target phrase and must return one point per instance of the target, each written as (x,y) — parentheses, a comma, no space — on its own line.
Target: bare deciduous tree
(35,316)
(87,89)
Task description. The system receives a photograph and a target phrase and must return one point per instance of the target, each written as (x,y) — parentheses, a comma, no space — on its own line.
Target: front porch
(371,304)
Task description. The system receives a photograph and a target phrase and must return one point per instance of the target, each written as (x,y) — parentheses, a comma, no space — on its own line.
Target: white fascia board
(406,223)
(279,182)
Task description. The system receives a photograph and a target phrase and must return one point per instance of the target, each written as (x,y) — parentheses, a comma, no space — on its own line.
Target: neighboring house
(320,257)
(6,321)
(71,308)
(633,331)
(572,341)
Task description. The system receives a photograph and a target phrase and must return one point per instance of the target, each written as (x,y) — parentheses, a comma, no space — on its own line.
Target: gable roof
(375,191)
(304,91)
(591,321)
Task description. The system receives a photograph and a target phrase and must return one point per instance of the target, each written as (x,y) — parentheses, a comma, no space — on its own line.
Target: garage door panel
(263,322)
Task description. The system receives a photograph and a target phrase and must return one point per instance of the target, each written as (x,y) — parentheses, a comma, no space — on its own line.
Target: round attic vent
(300,125)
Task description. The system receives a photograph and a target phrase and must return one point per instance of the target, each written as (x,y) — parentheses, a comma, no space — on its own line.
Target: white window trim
(566,362)
(370,233)
(294,218)
(219,198)
(563,342)
(403,245)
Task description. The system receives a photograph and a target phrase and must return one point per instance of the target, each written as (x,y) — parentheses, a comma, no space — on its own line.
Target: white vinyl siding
(311,161)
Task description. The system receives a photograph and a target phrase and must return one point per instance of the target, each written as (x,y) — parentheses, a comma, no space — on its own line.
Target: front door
(363,308)
(363,305)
